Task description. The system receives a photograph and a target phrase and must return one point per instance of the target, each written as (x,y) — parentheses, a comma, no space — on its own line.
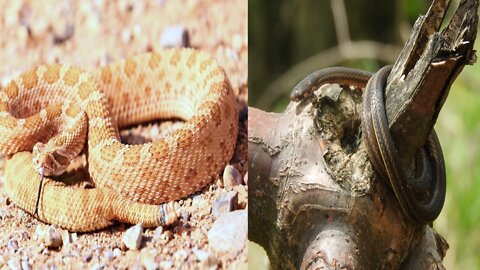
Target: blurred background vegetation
(290,39)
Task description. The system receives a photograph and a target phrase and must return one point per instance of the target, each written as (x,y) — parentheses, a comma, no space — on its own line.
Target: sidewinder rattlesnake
(54,109)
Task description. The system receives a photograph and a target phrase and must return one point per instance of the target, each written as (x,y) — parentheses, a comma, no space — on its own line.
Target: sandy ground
(93,33)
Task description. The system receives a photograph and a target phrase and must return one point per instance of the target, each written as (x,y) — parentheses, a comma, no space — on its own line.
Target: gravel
(93,33)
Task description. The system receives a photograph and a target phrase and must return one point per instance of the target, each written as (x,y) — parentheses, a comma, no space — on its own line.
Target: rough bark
(315,200)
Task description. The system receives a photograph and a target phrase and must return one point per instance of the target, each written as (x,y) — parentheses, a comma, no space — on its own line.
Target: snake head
(50,158)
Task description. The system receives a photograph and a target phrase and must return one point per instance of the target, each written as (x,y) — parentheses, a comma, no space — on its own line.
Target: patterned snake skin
(53,109)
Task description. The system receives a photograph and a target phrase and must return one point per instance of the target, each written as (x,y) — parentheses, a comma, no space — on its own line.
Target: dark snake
(420,198)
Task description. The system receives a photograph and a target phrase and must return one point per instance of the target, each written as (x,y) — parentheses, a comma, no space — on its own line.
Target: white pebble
(132,238)
(231,177)
(148,260)
(66,237)
(180,256)
(52,237)
(14,264)
(117,252)
(175,37)
(166,264)
(26,265)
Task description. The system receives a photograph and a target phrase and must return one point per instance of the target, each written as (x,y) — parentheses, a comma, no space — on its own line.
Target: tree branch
(421,78)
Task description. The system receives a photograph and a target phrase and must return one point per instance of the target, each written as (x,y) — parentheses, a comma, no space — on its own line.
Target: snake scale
(54,110)
(420,198)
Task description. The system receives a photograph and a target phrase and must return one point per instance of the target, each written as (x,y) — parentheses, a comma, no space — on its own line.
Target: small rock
(207,259)
(40,231)
(197,199)
(131,256)
(137,266)
(108,255)
(166,237)
(12,245)
(242,197)
(154,131)
(237,42)
(157,234)
(166,251)
(4,213)
(22,214)
(219,183)
(38,249)
(166,264)
(132,238)
(67,260)
(126,35)
(26,265)
(245,179)
(201,254)
(63,35)
(88,257)
(65,237)
(97,250)
(233,55)
(229,233)
(39,28)
(185,216)
(225,203)
(14,264)
(137,30)
(186,234)
(117,252)
(175,37)
(231,177)
(202,207)
(98,266)
(148,260)
(12,14)
(74,237)
(52,237)
(180,256)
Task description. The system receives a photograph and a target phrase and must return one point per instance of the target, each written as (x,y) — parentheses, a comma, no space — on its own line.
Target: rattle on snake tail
(48,110)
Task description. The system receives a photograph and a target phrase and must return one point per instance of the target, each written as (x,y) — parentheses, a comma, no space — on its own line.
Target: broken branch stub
(421,77)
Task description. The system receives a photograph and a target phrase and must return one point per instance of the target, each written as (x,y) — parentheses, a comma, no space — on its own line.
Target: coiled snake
(420,199)
(53,109)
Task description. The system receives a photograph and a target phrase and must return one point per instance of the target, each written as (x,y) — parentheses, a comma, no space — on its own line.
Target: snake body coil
(53,109)
(421,198)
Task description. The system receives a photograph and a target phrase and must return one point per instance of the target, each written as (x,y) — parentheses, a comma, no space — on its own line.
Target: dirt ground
(94,33)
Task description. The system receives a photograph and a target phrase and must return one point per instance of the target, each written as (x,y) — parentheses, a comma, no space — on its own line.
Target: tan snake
(54,109)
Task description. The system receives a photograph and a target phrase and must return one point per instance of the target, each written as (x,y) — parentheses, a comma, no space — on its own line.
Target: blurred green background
(290,39)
